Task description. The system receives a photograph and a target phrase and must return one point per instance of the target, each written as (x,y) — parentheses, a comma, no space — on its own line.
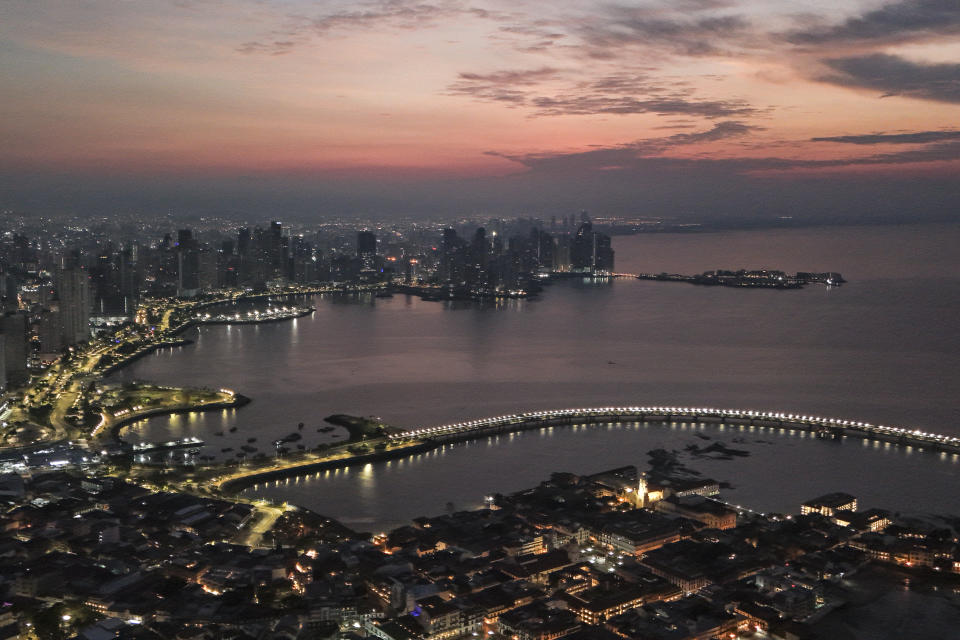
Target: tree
(48,623)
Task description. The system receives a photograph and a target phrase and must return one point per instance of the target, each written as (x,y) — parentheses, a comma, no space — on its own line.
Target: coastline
(117,427)
(236,485)
(133,357)
(431,438)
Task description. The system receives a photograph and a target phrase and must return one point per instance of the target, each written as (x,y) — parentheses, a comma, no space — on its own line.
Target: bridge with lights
(819,426)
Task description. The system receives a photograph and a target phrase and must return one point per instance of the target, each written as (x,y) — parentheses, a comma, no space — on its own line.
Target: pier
(147,448)
(272,314)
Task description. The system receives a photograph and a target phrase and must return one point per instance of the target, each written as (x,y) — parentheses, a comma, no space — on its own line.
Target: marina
(256,316)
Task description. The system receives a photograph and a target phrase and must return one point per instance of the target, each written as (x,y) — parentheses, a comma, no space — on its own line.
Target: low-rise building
(709,512)
(829,504)
(595,606)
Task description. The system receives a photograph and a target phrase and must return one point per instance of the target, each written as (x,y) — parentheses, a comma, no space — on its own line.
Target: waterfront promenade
(170,400)
(38,412)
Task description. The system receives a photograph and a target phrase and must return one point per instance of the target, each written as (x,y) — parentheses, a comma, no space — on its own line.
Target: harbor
(257,316)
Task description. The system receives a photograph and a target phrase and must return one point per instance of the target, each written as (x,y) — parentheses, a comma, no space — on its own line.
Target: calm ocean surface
(884,348)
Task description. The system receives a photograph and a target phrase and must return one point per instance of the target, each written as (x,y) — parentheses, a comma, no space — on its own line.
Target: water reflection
(877,349)
(780,472)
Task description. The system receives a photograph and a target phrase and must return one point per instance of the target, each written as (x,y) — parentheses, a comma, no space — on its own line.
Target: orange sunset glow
(477,104)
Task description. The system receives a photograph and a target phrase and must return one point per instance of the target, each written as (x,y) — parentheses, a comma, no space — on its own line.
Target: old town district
(619,554)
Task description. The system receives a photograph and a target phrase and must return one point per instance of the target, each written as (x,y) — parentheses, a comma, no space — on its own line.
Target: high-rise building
(73,289)
(581,248)
(278,253)
(207,263)
(452,258)
(15,338)
(590,250)
(243,241)
(478,258)
(188,264)
(8,291)
(131,277)
(367,248)
(50,332)
(545,251)
(105,284)
(602,252)
(561,255)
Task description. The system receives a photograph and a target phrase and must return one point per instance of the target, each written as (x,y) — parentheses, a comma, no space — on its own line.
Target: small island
(751,279)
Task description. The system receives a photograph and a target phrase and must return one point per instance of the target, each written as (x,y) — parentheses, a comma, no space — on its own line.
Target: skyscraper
(590,250)
(50,332)
(73,289)
(14,326)
(188,264)
(367,248)
(602,252)
(581,249)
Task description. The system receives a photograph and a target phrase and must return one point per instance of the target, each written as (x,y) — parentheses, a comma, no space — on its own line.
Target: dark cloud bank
(895,76)
(888,24)
(712,192)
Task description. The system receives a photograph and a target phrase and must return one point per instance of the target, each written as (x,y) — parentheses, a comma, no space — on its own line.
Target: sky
(737,110)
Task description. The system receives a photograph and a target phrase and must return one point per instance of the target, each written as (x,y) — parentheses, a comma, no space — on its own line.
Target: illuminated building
(829,504)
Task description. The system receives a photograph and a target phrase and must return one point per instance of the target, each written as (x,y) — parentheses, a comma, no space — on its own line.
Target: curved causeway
(415,441)
(826,427)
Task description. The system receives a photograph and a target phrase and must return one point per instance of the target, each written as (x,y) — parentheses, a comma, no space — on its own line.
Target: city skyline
(479,320)
(717,110)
